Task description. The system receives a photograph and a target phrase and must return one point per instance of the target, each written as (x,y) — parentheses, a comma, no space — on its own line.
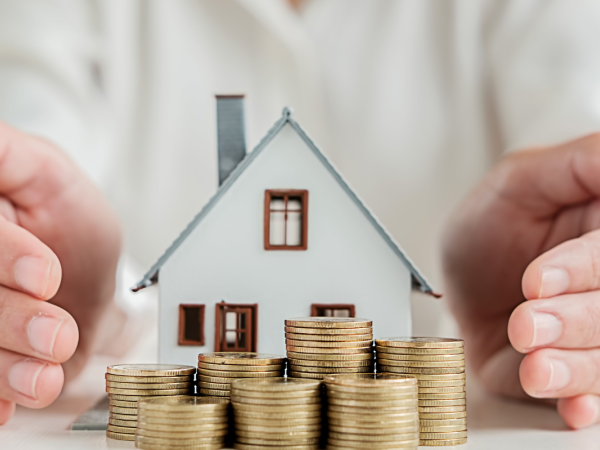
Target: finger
(7,210)
(580,411)
(26,263)
(573,266)
(34,328)
(554,373)
(7,410)
(566,321)
(29,381)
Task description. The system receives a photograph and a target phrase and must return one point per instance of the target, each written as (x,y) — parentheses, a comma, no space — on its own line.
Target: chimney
(231,139)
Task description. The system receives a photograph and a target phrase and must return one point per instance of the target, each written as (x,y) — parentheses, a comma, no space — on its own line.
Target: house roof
(418,280)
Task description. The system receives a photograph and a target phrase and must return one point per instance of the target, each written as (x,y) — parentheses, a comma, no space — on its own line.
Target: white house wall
(347,261)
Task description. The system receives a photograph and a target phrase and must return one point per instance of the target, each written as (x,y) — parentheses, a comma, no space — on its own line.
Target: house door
(236,327)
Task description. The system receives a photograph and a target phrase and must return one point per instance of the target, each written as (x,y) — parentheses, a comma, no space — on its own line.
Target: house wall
(347,261)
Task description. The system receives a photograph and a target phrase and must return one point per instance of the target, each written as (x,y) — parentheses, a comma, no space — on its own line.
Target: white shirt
(412,99)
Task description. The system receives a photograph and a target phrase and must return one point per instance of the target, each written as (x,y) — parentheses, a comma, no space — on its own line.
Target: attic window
(332,310)
(286,219)
(191,325)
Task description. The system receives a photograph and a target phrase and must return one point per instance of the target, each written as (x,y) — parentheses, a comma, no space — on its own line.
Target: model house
(284,236)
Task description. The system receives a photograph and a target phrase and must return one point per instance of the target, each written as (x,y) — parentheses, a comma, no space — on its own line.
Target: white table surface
(494,424)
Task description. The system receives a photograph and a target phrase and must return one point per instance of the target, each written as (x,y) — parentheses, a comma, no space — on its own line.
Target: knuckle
(590,246)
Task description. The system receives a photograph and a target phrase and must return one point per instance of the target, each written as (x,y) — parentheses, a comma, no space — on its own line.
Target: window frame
(315,307)
(181,340)
(269,194)
(252,330)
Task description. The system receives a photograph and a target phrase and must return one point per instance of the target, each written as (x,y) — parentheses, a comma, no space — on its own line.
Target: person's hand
(59,240)
(530,231)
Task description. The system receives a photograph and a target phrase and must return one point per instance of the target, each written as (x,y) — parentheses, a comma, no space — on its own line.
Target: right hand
(59,240)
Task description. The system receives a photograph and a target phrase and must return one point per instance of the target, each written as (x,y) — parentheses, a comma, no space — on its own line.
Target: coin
(419,351)
(269,429)
(147,446)
(420,342)
(177,419)
(373,419)
(328,322)
(277,443)
(337,351)
(124,411)
(443,422)
(122,423)
(175,433)
(330,357)
(287,414)
(240,367)
(183,427)
(441,409)
(240,446)
(442,415)
(122,403)
(220,386)
(440,376)
(144,392)
(277,422)
(388,431)
(425,358)
(334,345)
(449,396)
(374,410)
(329,337)
(448,435)
(279,384)
(243,358)
(409,421)
(435,364)
(184,404)
(329,370)
(146,386)
(223,374)
(215,392)
(441,390)
(154,370)
(218,380)
(120,436)
(274,401)
(371,381)
(122,430)
(312,376)
(126,379)
(442,429)
(373,437)
(290,435)
(442,442)
(375,403)
(331,364)
(372,396)
(265,409)
(128,417)
(425,384)
(457,402)
(422,370)
(172,442)
(344,444)
(277,394)
(330,331)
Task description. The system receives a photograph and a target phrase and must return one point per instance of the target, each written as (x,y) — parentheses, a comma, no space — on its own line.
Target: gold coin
(375,403)
(392,362)
(442,442)
(442,415)
(420,342)
(425,384)
(329,337)
(427,358)
(270,409)
(274,401)
(172,442)
(437,423)
(218,380)
(351,391)
(223,374)
(448,435)
(122,423)
(441,409)
(269,429)
(328,322)
(370,396)
(277,394)
(338,444)
(450,396)
(367,426)
(441,390)
(122,403)
(184,404)
(440,376)
(278,436)
(171,419)
(128,417)
(124,411)
(151,380)
(408,436)
(329,357)
(120,436)
(421,370)
(220,386)
(240,367)
(336,345)
(329,331)
(215,392)
(151,392)
(371,381)
(289,414)
(183,427)
(175,433)
(277,422)
(370,410)
(331,364)
(457,402)
(442,429)
(419,351)
(240,446)
(330,351)
(151,370)
(241,358)
(312,376)
(389,431)
(147,386)
(276,384)
(277,443)
(373,419)
(330,370)
(122,430)
(148,446)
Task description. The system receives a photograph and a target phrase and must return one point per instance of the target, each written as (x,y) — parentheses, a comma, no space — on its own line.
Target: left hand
(531,231)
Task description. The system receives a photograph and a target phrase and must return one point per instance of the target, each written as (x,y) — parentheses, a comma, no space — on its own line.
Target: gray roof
(418,280)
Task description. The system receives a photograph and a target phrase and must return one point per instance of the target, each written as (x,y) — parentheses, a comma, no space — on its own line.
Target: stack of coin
(321,346)
(439,365)
(182,423)
(216,371)
(276,413)
(127,383)
(374,411)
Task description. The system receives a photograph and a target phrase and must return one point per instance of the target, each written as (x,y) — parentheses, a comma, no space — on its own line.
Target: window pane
(230,338)
(242,321)
(294,228)
(277,229)
(294,204)
(277,204)
(192,326)
(241,340)
(341,313)
(230,321)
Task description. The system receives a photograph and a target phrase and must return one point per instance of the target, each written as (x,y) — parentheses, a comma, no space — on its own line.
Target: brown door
(235,329)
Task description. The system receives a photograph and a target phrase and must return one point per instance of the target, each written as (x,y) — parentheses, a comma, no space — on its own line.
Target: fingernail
(32,274)
(42,332)
(560,375)
(23,376)
(554,281)
(546,329)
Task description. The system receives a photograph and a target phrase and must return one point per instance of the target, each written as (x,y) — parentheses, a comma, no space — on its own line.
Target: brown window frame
(286,193)
(219,320)
(181,340)
(314,308)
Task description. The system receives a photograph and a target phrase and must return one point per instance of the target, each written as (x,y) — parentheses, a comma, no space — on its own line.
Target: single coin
(367,426)
(371,419)
(128,417)
(276,394)
(147,392)
(328,322)
(427,358)
(443,415)
(183,427)
(373,437)
(277,443)
(371,381)
(172,442)
(122,430)
(240,446)
(276,384)
(122,423)
(183,419)
(151,380)
(243,358)
(277,422)
(420,342)
(376,391)
(419,351)
(375,403)
(240,367)
(442,429)
(218,380)
(330,331)
(148,446)
(443,423)
(442,442)
(184,404)
(375,432)
(449,396)
(336,444)
(289,414)
(150,370)
(421,370)
(330,351)
(332,364)
(223,374)
(329,370)
(440,376)
(329,337)
(373,396)
(269,409)
(124,411)
(448,435)
(392,362)
(149,386)
(336,345)
(274,401)
(175,433)
(122,403)
(278,436)
(441,409)
(425,384)
(220,386)
(312,376)
(292,428)
(329,357)
(215,392)
(371,410)
(457,402)
(441,390)
(120,436)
